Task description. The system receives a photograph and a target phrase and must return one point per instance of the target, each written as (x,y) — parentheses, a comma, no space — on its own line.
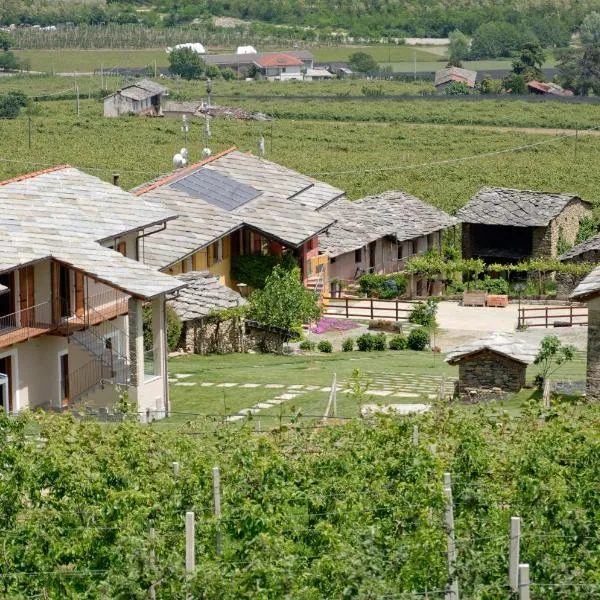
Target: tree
(284,301)
(579,69)
(552,355)
(495,39)
(361,62)
(457,88)
(186,63)
(458,48)
(589,32)
(529,62)
(6,41)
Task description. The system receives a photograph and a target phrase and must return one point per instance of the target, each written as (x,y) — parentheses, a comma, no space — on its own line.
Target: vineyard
(355,510)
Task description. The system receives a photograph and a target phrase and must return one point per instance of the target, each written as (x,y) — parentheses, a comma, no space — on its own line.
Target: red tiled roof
(171,176)
(278,59)
(34,174)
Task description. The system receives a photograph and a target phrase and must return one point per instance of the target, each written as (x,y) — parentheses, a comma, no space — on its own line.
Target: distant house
(279,67)
(241,63)
(378,234)
(234,204)
(454,75)
(317,75)
(497,363)
(142,97)
(507,225)
(550,89)
(198,306)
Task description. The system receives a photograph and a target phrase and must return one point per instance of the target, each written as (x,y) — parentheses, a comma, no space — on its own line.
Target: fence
(367,308)
(553,316)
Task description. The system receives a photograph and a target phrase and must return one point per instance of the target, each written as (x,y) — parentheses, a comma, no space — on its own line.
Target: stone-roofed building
(585,252)
(450,75)
(589,291)
(198,306)
(496,364)
(142,97)
(71,318)
(378,234)
(234,204)
(507,225)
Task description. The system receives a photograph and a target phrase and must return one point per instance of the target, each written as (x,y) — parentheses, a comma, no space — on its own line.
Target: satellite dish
(184,153)
(179,161)
(206,152)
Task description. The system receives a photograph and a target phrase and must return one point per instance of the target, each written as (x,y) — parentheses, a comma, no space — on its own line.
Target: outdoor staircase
(316,284)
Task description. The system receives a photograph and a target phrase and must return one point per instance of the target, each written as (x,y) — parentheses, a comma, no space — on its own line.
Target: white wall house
(73,293)
(141,97)
(279,67)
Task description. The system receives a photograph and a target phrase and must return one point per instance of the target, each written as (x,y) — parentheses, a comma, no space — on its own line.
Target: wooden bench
(474,298)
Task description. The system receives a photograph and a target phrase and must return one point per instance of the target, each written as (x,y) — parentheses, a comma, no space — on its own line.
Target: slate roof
(277,59)
(589,287)
(203,294)
(455,74)
(588,246)
(142,89)
(517,208)
(503,344)
(277,208)
(62,213)
(393,213)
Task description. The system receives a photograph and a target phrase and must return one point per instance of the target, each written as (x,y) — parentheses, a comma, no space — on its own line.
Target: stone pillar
(593,351)
(136,343)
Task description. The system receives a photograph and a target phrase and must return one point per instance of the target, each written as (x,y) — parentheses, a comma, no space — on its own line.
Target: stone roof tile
(500,343)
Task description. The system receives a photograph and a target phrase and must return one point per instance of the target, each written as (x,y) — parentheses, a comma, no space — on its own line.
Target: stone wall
(261,340)
(204,336)
(488,370)
(593,352)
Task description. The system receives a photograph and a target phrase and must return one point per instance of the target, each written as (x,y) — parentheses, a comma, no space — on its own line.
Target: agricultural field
(361,157)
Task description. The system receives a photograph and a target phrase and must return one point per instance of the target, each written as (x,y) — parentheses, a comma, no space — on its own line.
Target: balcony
(25,324)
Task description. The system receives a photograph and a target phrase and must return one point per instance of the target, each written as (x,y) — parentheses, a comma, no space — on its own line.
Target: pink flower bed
(325,325)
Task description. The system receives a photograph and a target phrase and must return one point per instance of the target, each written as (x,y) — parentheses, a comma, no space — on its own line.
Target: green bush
(492,285)
(348,345)
(418,339)
(307,345)
(364,342)
(325,346)
(424,313)
(370,284)
(253,269)
(398,342)
(379,342)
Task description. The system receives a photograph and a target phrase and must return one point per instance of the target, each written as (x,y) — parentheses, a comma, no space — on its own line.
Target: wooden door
(79,294)
(26,296)
(64,379)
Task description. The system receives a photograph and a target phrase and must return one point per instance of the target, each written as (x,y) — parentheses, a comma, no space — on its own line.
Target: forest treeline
(551,22)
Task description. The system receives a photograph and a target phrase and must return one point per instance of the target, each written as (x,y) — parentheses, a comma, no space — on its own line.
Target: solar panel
(216,189)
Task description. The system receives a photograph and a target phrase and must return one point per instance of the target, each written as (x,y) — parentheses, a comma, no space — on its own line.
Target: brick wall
(488,370)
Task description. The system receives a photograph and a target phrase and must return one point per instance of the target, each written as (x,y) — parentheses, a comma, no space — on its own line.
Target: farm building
(497,363)
(586,252)
(589,291)
(507,225)
(198,306)
(378,234)
(548,88)
(279,67)
(142,97)
(319,74)
(450,75)
(241,63)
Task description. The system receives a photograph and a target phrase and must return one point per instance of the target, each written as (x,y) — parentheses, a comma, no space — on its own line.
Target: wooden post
(415,435)
(152,591)
(371,309)
(546,317)
(452,587)
(515,543)
(190,547)
(396,311)
(524,584)
(571,314)
(216,479)
(546,394)
(175,469)
(346,308)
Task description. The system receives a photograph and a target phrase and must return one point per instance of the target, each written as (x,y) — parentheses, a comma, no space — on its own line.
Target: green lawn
(378,368)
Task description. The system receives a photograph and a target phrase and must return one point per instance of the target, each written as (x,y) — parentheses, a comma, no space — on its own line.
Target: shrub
(348,345)
(424,313)
(379,342)
(385,286)
(418,339)
(398,342)
(325,346)
(307,345)
(364,342)
(492,286)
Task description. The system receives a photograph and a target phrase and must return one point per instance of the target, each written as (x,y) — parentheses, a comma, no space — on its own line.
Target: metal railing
(109,302)
(24,324)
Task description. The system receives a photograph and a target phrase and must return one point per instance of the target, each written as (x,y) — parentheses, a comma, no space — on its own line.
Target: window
(415,246)
(431,241)
(400,251)
(332,259)
(358,255)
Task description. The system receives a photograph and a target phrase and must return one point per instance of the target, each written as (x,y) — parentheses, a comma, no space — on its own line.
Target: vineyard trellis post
(190,546)
(216,480)
(175,469)
(152,591)
(452,586)
(415,435)
(524,583)
(515,544)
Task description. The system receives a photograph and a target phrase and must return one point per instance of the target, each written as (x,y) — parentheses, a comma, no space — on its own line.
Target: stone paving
(390,387)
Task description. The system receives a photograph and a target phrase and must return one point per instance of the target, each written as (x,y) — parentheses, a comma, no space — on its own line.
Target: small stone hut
(507,225)
(495,364)
(198,306)
(586,252)
(589,291)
